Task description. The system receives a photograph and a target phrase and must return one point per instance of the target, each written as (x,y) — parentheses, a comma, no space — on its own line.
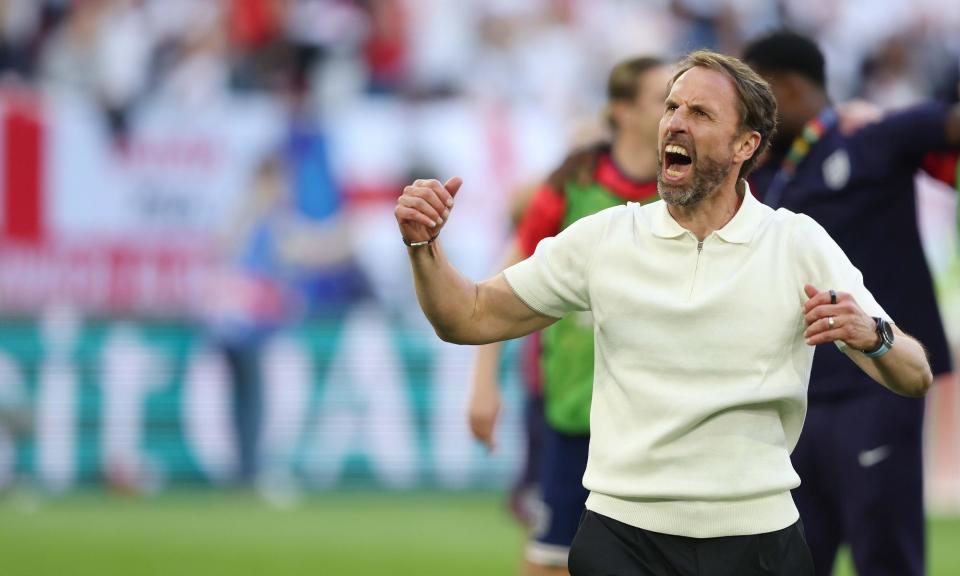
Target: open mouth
(677,162)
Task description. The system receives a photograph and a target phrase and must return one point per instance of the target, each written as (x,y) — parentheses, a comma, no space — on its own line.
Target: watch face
(886,332)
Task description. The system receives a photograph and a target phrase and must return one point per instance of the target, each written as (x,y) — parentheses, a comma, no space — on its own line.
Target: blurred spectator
(248,303)
(320,244)
(287,254)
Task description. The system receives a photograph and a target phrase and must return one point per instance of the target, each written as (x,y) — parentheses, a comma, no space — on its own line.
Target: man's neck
(635,157)
(711,213)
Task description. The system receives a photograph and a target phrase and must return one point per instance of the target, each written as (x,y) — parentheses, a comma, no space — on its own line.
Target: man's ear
(746,146)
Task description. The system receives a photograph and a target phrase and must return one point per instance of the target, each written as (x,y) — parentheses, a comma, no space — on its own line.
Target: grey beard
(706,177)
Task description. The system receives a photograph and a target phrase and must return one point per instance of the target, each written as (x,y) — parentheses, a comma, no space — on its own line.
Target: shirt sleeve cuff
(513,276)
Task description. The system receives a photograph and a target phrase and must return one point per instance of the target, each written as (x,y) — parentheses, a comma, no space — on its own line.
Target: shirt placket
(697,269)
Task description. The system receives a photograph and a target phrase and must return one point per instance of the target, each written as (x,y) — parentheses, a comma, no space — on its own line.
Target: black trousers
(606,547)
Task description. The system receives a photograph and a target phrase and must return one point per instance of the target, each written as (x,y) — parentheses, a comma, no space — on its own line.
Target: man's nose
(677,121)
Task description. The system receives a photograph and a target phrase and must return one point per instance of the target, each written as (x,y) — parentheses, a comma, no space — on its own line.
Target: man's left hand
(843,320)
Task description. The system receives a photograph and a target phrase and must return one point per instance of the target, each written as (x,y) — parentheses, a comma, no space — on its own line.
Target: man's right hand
(460,310)
(484,410)
(424,207)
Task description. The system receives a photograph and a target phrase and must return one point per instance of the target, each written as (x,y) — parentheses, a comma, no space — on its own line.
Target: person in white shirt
(707,307)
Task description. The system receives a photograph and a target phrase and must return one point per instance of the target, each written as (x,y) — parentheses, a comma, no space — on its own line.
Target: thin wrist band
(420,243)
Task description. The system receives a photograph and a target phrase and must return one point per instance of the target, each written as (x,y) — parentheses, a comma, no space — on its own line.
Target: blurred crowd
(551,52)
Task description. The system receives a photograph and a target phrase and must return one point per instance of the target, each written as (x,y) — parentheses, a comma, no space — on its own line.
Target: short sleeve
(824,264)
(554,280)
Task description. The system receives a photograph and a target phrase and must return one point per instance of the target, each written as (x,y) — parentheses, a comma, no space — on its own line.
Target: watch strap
(885,344)
(883,349)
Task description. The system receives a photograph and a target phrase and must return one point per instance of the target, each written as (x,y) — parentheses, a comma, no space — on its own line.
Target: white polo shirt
(701,370)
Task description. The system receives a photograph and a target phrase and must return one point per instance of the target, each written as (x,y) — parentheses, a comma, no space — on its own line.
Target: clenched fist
(424,208)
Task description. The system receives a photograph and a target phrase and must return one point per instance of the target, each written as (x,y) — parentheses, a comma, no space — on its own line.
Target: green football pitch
(236,534)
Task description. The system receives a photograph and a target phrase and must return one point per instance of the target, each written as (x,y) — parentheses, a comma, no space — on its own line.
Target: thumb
(453,185)
(810,290)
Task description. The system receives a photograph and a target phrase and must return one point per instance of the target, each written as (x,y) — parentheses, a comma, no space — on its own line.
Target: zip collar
(739,230)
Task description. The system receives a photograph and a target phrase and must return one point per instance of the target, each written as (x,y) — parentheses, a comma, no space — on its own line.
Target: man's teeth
(676,149)
(674,173)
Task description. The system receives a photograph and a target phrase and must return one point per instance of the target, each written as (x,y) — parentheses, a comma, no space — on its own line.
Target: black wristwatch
(885,331)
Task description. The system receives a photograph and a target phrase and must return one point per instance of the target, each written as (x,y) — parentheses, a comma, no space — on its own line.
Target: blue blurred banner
(346,402)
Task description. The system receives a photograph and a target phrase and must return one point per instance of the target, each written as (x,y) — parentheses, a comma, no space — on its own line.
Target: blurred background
(210,349)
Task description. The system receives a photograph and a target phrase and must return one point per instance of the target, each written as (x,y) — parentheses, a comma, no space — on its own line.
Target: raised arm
(904,369)
(459,310)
